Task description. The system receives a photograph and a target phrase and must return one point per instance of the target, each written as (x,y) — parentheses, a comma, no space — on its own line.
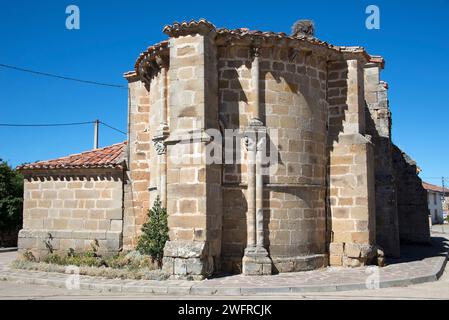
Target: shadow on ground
(438,247)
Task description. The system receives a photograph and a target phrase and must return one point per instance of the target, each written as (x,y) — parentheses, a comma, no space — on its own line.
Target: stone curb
(10,249)
(195,289)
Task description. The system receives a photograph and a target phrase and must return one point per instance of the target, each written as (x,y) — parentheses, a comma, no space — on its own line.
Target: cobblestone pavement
(419,264)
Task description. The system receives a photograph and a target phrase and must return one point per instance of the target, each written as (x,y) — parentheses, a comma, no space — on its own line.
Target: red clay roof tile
(432,187)
(107,157)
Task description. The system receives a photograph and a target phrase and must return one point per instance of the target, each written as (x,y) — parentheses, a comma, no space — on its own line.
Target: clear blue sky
(413,39)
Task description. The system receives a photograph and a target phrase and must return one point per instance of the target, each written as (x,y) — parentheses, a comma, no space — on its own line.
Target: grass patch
(144,273)
(131,265)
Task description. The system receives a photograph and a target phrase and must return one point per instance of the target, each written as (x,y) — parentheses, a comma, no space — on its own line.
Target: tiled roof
(107,157)
(432,187)
(202,25)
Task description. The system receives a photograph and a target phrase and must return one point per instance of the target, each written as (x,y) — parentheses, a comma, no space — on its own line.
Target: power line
(61,77)
(111,127)
(58,125)
(46,124)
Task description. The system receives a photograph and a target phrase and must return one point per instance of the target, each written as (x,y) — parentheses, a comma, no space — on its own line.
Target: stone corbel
(151,65)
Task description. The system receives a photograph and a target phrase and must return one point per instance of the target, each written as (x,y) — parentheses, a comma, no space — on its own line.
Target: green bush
(11,198)
(154,233)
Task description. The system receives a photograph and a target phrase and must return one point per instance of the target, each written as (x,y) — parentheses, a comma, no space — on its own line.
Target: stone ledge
(70,234)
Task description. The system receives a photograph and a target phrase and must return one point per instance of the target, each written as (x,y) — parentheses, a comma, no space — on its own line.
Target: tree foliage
(154,233)
(11,197)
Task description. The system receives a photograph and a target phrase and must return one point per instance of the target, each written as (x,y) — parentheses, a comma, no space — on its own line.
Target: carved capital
(250,141)
(160,147)
(255,51)
(159,139)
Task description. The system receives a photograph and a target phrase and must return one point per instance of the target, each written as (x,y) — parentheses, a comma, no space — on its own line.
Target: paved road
(432,290)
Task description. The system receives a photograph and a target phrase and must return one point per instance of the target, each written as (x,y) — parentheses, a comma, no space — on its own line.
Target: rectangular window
(435,198)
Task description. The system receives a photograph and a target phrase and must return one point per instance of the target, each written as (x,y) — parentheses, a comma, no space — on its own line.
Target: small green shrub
(154,233)
(90,258)
(54,259)
(71,252)
(28,256)
(132,261)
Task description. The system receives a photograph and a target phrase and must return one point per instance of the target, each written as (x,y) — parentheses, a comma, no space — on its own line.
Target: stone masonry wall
(351,217)
(413,212)
(193,186)
(378,125)
(75,208)
(137,195)
(294,109)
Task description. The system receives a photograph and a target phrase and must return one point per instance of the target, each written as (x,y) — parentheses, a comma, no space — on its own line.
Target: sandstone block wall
(378,125)
(294,109)
(193,186)
(351,218)
(75,209)
(136,196)
(351,201)
(413,212)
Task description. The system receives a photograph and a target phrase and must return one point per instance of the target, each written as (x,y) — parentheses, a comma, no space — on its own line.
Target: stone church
(340,194)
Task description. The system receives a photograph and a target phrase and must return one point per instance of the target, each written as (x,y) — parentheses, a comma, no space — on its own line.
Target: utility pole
(96,125)
(443,197)
(442,183)
(443,200)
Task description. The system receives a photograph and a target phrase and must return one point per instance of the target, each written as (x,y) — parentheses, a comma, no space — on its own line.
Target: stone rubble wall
(75,208)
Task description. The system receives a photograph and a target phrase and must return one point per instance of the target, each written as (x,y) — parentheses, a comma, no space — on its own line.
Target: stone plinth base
(256,262)
(187,259)
(355,255)
(299,263)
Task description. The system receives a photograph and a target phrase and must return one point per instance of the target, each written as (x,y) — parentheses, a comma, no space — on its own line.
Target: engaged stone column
(262,140)
(161,150)
(255,260)
(162,134)
(250,143)
(255,78)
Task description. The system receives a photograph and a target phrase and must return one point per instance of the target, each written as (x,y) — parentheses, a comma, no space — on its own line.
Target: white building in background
(435,198)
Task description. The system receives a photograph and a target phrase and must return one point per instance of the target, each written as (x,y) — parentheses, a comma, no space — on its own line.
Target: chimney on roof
(303,28)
